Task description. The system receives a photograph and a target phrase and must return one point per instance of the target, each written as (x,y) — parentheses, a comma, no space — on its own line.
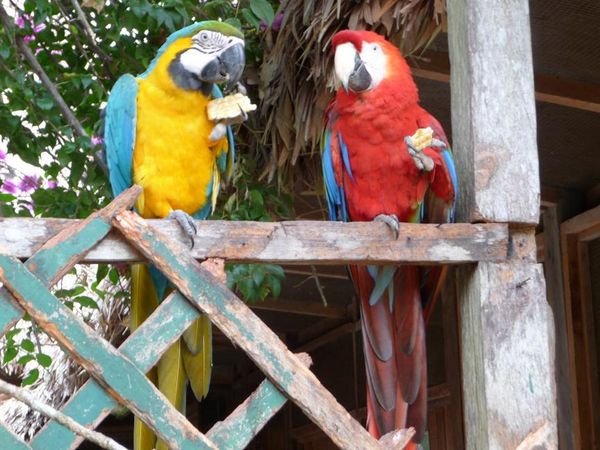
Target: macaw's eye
(375,48)
(204,36)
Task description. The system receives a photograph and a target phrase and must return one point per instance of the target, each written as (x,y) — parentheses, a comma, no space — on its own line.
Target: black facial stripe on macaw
(187,80)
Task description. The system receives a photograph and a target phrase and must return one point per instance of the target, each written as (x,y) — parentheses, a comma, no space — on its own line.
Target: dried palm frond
(296,75)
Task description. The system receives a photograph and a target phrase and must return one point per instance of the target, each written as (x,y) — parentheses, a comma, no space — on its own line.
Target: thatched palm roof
(296,75)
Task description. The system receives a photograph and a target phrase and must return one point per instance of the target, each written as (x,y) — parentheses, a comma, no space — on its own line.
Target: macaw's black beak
(228,67)
(360,79)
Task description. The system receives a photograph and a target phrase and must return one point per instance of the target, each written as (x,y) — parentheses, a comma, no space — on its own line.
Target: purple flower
(51,184)
(10,187)
(2,154)
(97,140)
(276,25)
(39,28)
(30,37)
(29,183)
(20,21)
(56,52)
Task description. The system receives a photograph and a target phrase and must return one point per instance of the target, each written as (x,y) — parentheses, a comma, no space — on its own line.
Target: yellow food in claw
(230,108)
(422,138)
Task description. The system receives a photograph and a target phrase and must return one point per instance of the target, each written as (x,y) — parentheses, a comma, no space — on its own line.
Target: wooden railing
(50,248)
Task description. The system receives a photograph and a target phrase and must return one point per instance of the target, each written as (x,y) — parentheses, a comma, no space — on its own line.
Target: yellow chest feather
(173,159)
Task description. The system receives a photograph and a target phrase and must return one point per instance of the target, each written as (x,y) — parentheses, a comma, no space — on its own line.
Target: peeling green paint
(144,347)
(238,430)
(117,371)
(10,441)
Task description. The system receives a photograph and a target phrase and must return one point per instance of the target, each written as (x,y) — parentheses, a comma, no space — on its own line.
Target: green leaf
(234,22)
(258,275)
(64,293)
(263,10)
(113,275)
(275,287)
(6,197)
(9,354)
(45,103)
(86,301)
(27,345)
(4,51)
(101,272)
(25,359)
(31,377)
(43,359)
(10,335)
(250,17)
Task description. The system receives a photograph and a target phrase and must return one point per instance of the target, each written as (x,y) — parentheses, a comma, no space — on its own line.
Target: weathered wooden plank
(305,308)
(57,253)
(248,418)
(507,339)
(242,326)
(298,242)
(91,404)
(434,65)
(493,111)
(9,441)
(582,222)
(555,294)
(117,374)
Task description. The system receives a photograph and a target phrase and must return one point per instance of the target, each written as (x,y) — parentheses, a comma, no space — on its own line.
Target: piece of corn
(422,138)
(230,108)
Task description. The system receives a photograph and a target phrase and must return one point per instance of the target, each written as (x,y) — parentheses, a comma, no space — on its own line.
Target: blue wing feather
(336,197)
(119,132)
(449,161)
(226,160)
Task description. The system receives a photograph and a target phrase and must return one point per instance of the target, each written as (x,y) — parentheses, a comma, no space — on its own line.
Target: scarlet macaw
(372,171)
(157,134)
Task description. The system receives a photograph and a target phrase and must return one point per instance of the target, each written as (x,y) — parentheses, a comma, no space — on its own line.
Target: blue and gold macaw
(157,134)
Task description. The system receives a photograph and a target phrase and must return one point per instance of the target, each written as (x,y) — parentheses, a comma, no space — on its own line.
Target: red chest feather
(384,178)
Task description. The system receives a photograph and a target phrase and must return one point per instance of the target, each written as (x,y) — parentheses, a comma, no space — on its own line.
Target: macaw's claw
(243,114)
(391,220)
(186,222)
(218,132)
(241,88)
(422,161)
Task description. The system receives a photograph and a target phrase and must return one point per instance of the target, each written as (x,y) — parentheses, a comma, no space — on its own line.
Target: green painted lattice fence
(117,375)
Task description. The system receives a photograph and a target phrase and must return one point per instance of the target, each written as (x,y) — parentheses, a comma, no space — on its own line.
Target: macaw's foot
(241,88)
(391,221)
(186,222)
(415,150)
(218,132)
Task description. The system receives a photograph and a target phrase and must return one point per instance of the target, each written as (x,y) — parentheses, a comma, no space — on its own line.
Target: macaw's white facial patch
(375,61)
(194,60)
(344,62)
(214,42)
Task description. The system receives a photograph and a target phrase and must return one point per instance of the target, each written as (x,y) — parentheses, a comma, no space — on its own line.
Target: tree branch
(41,73)
(88,31)
(26,397)
(47,83)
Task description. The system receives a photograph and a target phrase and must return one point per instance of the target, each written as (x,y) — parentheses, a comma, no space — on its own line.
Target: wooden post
(507,334)
(555,292)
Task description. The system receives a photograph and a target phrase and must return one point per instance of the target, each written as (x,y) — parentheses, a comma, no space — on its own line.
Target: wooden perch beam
(436,66)
(298,242)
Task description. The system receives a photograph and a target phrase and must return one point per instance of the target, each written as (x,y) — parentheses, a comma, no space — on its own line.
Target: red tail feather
(397,382)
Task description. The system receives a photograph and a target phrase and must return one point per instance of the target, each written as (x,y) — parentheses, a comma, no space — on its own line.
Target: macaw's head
(202,54)
(365,61)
